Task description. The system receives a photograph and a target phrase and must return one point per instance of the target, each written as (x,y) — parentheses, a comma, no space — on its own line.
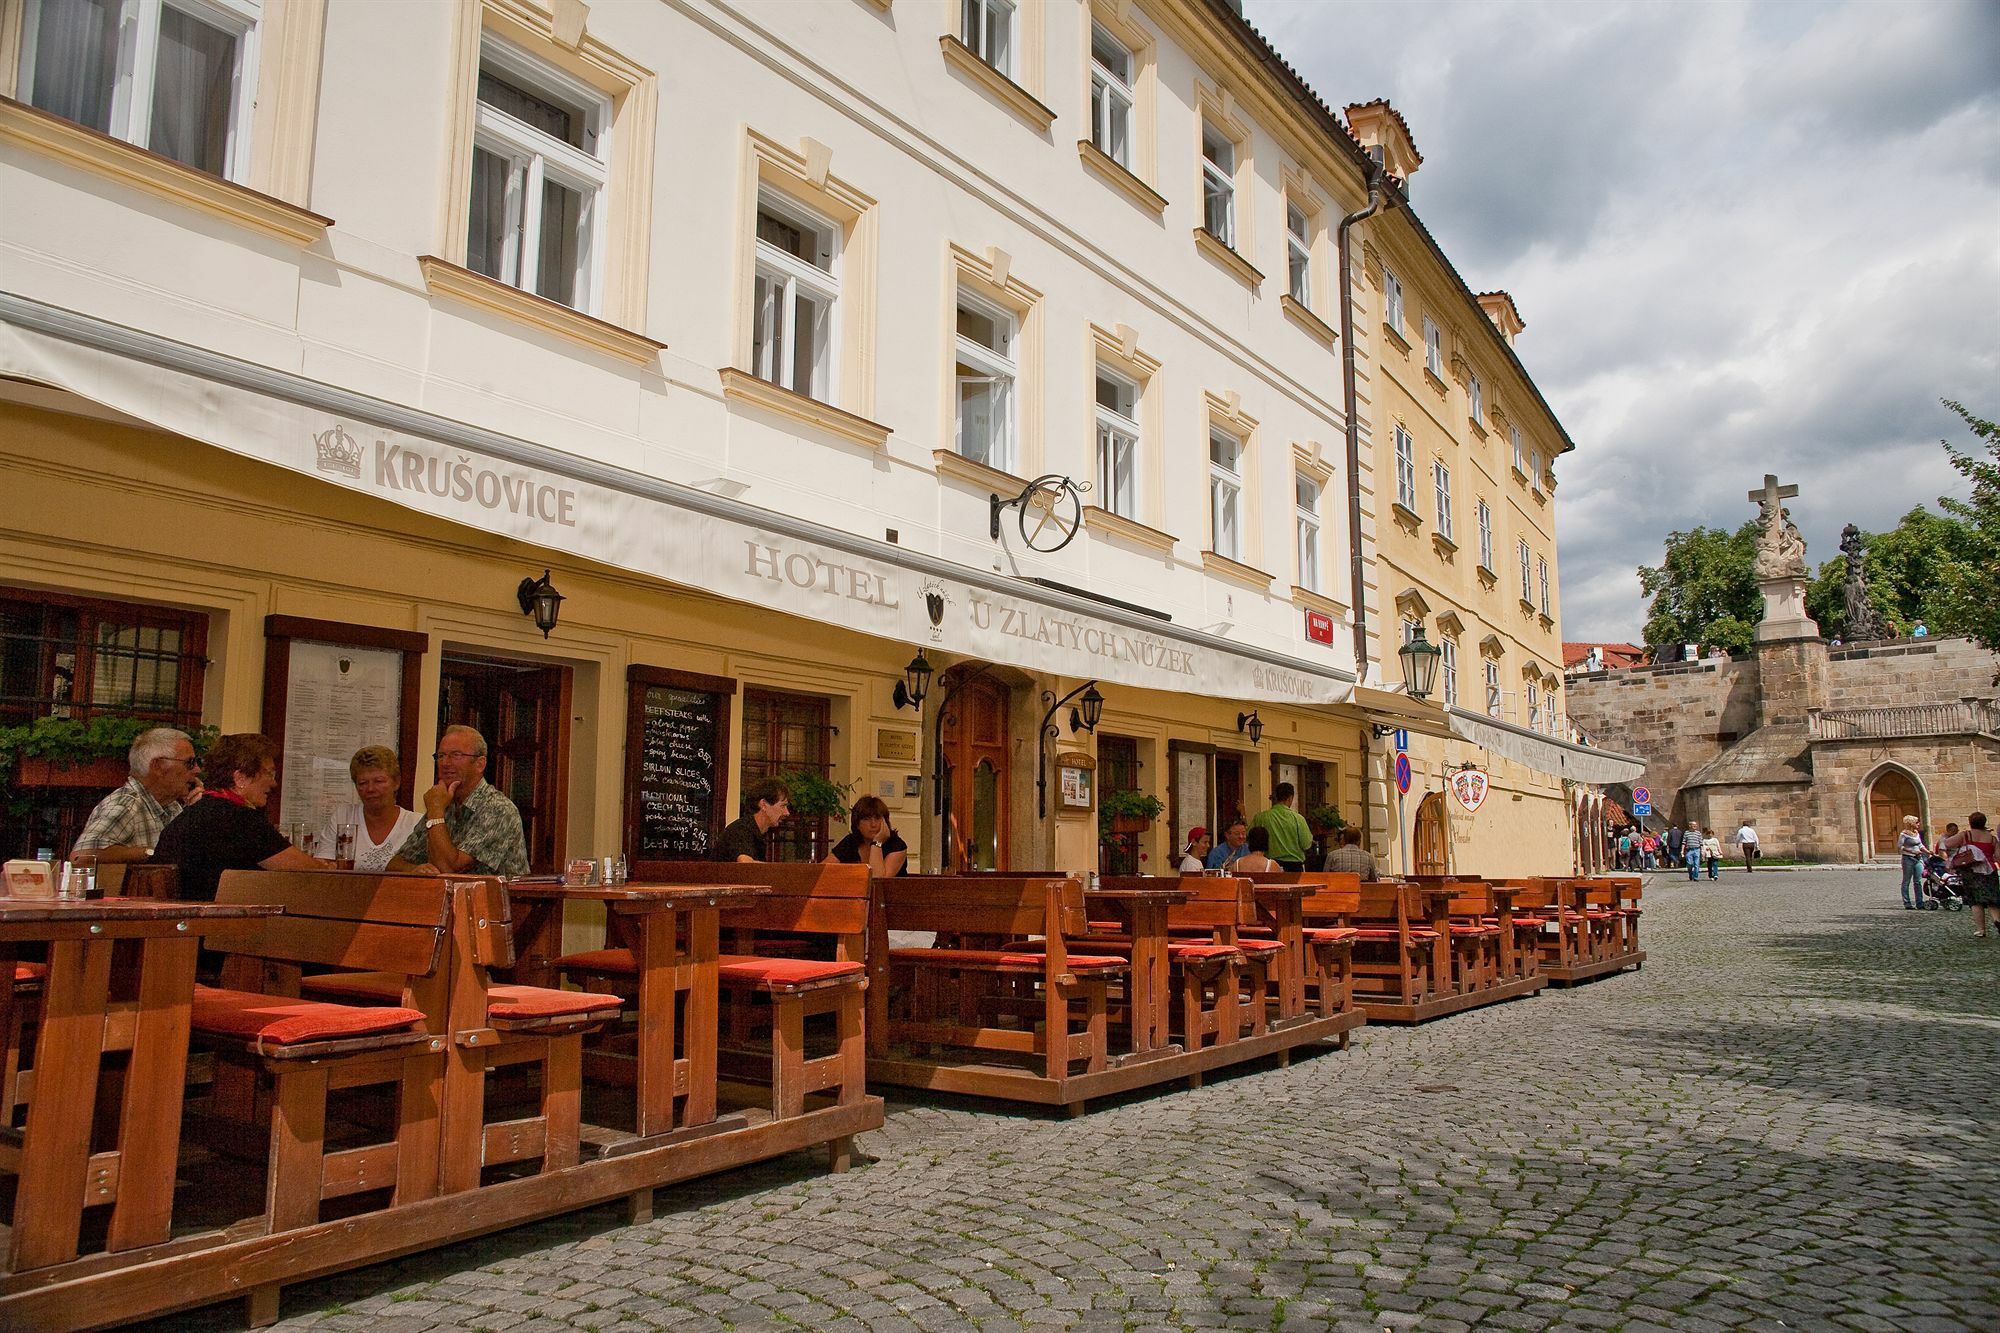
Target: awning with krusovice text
(540,495)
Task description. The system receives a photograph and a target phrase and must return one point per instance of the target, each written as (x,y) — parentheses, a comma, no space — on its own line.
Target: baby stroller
(1941,886)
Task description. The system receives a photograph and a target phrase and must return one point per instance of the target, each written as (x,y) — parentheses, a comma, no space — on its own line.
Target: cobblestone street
(1787,1119)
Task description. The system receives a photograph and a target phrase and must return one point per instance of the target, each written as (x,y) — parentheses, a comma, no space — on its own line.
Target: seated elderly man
(126,825)
(469,825)
(1350,859)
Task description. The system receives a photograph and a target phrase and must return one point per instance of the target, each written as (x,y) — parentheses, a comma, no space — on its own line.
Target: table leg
(1151,977)
(55,1153)
(704,928)
(149,1125)
(1292,981)
(657,991)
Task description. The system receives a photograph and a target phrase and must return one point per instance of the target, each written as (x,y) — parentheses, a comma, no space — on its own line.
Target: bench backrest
(1011,905)
(1331,895)
(340,918)
(1215,902)
(1471,898)
(1383,903)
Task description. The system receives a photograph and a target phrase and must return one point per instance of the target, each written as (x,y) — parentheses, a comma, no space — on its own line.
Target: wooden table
(647,918)
(89,1008)
(1142,913)
(1437,915)
(1281,907)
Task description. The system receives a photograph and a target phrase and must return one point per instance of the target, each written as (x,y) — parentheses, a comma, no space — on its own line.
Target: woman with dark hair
(872,842)
(226,829)
(1256,859)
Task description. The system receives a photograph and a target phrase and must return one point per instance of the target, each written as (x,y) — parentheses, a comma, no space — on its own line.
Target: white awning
(1393,708)
(1545,754)
(534,493)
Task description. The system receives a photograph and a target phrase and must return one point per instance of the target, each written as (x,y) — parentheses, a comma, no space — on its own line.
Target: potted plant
(816,796)
(1325,819)
(1127,812)
(63,752)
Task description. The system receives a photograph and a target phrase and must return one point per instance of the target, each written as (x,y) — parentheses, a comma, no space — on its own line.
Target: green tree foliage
(1908,569)
(1969,588)
(1705,590)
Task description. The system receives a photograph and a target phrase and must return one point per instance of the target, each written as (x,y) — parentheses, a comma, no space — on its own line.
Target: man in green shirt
(1291,837)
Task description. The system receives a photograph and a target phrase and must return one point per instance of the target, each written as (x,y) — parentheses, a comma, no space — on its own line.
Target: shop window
(1117,770)
(79,659)
(173,76)
(782,734)
(538,178)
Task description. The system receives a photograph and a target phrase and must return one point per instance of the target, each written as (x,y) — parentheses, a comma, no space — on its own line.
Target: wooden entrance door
(1228,791)
(1429,847)
(522,709)
(1891,797)
(974,737)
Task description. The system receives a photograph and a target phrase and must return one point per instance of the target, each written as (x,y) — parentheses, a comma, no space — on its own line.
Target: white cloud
(1747,238)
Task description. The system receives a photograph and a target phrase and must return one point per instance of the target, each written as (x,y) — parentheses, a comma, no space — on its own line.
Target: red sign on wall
(1319,627)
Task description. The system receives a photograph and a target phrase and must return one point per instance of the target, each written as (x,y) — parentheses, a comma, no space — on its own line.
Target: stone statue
(1781,551)
(1863,621)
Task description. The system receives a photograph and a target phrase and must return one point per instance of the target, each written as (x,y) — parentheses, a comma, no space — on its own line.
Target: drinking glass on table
(344,836)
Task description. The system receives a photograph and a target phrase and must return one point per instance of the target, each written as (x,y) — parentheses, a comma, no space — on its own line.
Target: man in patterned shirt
(470,827)
(1350,858)
(126,825)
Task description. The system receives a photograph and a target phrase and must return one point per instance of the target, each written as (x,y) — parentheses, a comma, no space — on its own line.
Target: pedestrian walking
(1975,855)
(1746,838)
(1711,852)
(1691,850)
(1625,851)
(1910,842)
(1673,844)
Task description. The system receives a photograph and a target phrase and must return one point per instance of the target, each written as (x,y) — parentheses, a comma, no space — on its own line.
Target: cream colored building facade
(330,323)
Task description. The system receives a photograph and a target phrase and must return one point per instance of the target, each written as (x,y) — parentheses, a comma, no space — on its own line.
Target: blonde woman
(380,825)
(1910,842)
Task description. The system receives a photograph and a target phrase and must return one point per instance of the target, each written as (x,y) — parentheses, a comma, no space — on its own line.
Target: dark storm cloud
(1747,238)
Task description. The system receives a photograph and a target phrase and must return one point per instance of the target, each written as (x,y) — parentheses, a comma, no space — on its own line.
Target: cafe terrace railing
(1967,717)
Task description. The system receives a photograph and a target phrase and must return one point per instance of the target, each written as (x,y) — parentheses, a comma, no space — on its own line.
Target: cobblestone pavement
(1787,1120)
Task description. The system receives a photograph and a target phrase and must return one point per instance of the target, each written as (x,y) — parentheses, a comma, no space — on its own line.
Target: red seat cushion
(1537,922)
(280,1020)
(516,1002)
(600,960)
(1000,958)
(1467,931)
(778,973)
(1329,934)
(1259,946)
(30,971)
(379,986)
(1373,933)
(1192,952)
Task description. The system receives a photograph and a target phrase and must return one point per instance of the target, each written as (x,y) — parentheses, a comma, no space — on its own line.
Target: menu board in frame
(676,762)
(329,689)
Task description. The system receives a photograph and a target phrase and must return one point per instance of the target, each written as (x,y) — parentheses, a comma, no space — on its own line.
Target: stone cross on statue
(1770,493)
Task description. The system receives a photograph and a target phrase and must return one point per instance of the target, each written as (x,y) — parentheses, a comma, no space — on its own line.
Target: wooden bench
(961,997)
(825,904)
(1218,985)
(1331,900)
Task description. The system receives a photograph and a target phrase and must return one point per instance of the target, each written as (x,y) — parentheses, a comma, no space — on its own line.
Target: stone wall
(1955,775)
(1910,671)
(1678,716)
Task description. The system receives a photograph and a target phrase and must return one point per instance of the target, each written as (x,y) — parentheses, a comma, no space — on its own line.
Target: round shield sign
(1402,773)
(1470,786)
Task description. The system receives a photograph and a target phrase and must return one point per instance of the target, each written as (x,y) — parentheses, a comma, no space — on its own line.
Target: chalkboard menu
(676,763)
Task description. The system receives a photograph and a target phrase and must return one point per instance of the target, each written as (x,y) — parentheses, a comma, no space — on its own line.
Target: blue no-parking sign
(1403,773)
(1642,796)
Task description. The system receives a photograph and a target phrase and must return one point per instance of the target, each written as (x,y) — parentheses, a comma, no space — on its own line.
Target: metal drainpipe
(1376,197)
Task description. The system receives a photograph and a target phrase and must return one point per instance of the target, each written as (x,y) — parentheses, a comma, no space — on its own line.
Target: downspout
(1376,199)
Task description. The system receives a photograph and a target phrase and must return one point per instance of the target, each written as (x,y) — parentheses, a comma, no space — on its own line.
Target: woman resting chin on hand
(873,842)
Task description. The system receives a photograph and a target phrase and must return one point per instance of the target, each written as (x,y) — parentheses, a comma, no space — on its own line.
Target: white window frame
(1411,628)
(1449,661)
(1514,435)
(1392,300)
(793,283)
(1218,182)
(1225,495)
(997,367)
(1406,470)
(981,22)
(1298,254)
(1485,535)
(1112,99)
(138,63)
(1535,468)
(1112,427)
(1534,706)
(1542,571)
(1494,697)
(1476,396)
(1305,515)
(1441,488)
(1433,347)
(1527,587)
(535,157)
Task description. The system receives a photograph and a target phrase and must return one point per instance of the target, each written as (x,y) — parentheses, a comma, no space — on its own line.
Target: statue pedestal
(1785,614)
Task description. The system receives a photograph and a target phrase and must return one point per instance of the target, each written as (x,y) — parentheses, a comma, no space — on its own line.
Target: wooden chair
(1395,949)
(821,902)
(964,997)
(1479,946)
(1332,903)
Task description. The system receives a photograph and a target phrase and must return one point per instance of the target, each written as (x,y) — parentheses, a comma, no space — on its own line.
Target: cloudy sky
(1746,238)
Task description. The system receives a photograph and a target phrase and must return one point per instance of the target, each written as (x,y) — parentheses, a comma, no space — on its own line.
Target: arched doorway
(1430,844)
(974,741)
(1892,795)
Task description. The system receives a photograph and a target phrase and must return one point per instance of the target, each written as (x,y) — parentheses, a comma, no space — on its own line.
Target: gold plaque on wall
(895,747)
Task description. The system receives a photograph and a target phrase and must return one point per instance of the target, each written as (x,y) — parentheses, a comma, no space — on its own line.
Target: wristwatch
(433,822)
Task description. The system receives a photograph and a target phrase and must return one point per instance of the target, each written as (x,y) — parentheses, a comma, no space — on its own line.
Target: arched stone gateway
(1889,793)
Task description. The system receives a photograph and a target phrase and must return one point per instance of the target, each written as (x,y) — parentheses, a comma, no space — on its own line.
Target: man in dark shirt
(768,803)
